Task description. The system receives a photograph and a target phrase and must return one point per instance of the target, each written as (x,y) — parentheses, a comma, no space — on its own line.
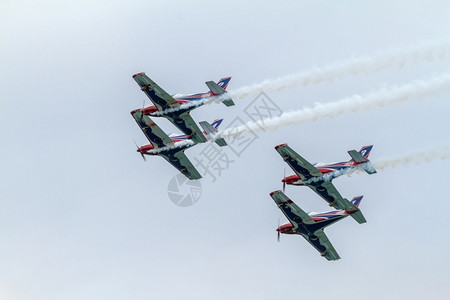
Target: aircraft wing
(292,212)
(180,161)
(298,164)
(157,137)
(185,123)
(329,193)
(323,245)
(160,98)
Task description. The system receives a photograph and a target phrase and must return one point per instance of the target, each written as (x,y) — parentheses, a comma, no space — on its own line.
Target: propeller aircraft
(177,108)
(310,226)
(171,148)
(318,177)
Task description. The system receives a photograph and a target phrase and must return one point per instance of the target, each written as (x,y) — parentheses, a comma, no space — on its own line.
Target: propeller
(142,111)
(284,182)
(278,231)
(142,154)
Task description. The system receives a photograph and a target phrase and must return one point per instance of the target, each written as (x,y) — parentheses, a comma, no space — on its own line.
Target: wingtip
(137,74)
(274,192)
(280,145)
(134,111)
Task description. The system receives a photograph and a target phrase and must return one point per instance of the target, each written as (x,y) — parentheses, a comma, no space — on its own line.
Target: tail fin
(224,82)
(216,123)
(220,89)
(356,200)
(211,132)
(365,151)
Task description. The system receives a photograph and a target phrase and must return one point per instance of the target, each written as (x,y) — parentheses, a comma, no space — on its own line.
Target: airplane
(319,176)
(171,148)
(311,226)
(176,108)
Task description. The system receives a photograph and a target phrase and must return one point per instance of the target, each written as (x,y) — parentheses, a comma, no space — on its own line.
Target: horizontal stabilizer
(215,88)
(218,90)
(369,168)
(358,216)
(221,142)
(211,133)
(352,209)
(357,157)
(228,102)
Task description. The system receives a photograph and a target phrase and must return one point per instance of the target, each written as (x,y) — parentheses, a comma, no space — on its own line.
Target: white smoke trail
(414,157)
(345,171)
(332,175)
(419,156)
(192,104)
(357,103)
(396,57)
(177,145)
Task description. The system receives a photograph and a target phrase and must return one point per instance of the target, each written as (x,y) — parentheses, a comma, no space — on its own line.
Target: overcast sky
(82,216)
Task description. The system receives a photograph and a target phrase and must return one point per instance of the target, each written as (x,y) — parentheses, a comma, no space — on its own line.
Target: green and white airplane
(172,147)
(319,176)
(162,145)
(176,108)
(311,225)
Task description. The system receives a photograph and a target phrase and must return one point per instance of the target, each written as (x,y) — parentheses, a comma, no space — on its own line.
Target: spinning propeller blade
(278,232)
(142,109)
(143,156)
